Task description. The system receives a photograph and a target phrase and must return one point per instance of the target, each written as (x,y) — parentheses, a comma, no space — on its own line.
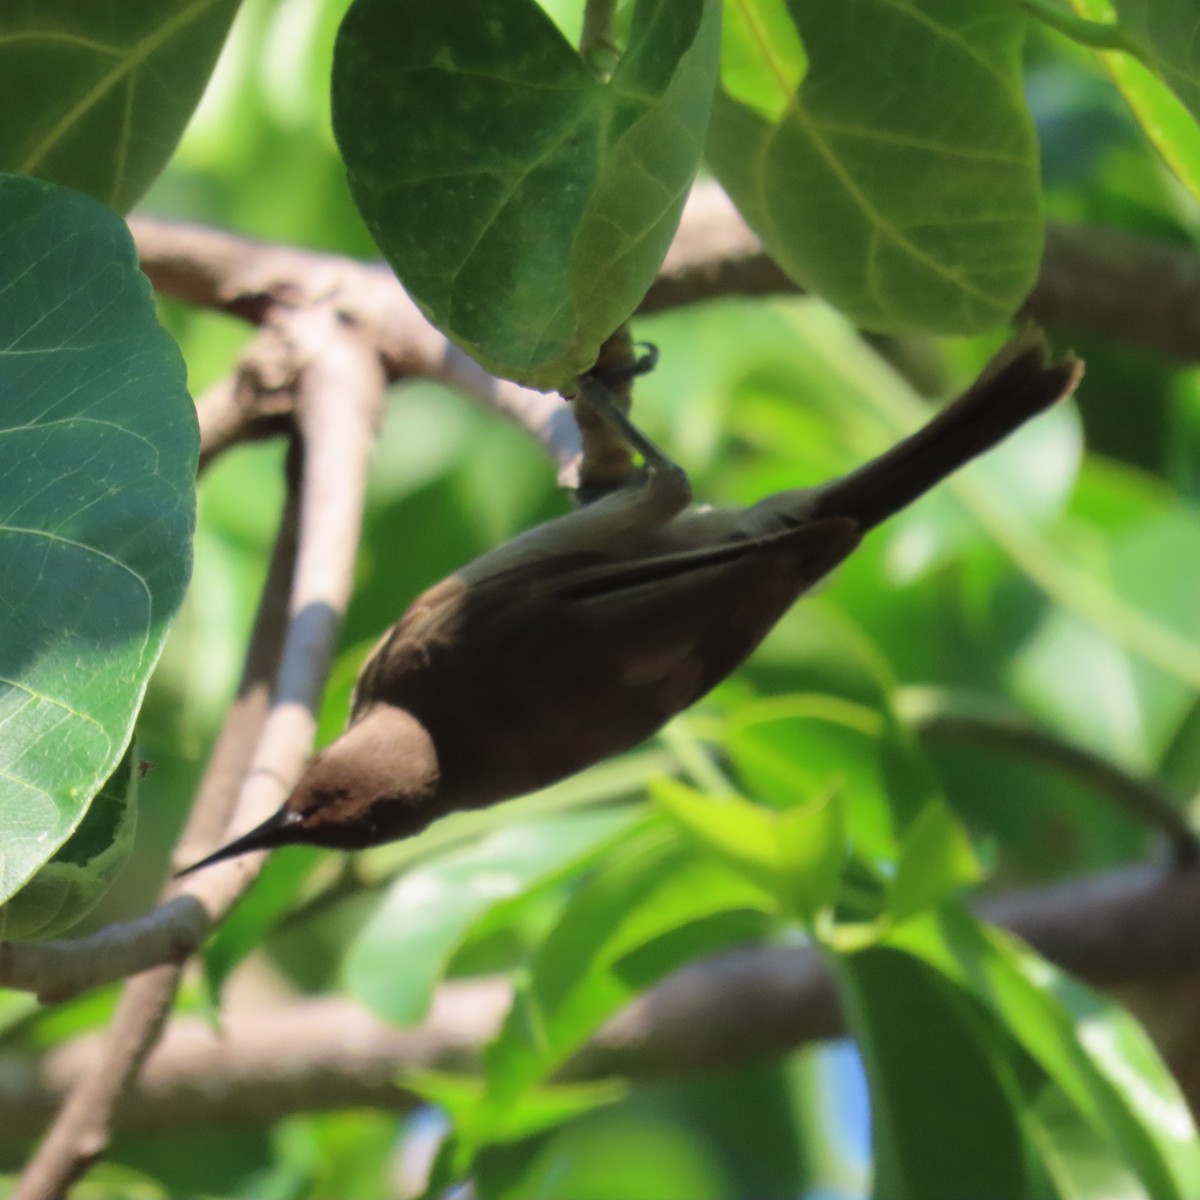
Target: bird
(582,636)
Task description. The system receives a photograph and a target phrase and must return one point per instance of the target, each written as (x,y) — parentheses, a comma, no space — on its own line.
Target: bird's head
(377,783)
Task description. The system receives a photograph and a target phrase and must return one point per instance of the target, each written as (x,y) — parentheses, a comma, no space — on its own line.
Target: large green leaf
(97,464)
(96,93)
(525,204)
(790,750)
(944,1112)
(796,856)
(1093,1051)
(898,178)
(936,858)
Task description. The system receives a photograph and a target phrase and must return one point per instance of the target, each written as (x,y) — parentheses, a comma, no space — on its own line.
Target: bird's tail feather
(1020,382)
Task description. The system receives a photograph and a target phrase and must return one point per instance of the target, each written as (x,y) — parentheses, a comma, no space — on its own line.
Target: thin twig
(233,752)
(56,970)
(230,413)
(606,459)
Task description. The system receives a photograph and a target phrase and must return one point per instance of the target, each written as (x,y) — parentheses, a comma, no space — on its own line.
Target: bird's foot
(596,390)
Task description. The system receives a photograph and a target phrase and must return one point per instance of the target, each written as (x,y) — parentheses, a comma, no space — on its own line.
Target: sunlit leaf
(796,856)
(743,834)
(1097,1055)
(537,1110)
(906,194)
(936,858)
(1162,113)
(97,469)
(657,887)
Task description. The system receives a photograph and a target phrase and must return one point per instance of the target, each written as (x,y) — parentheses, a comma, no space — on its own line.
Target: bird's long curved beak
(273,832)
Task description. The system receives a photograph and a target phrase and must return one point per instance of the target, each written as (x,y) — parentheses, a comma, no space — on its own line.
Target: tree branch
(251,279)
(1120,287)
(1087,279)
(1107,284)
(339,390)
(1113,930)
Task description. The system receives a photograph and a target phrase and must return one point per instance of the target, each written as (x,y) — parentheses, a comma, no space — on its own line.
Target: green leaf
(428,912)
(936,858)
(96,95)
(787,748)
(579,978)
(1167,117)
(812,853)
(944,1114)
(67,888)
(742,834)
(820,333)
(539,1109)
(97,466)
(112,1181)
(796,856)
(799,749)
(1097,1054)
(1081,1164)
(524,204)
(1064,664)
(905,191)
(762,57)
(1168,29)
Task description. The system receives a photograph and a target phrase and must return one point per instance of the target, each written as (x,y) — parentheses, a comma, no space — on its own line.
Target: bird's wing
(812,549)
(661,598)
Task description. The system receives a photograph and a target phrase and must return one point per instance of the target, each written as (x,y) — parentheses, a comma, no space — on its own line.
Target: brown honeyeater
(584,635)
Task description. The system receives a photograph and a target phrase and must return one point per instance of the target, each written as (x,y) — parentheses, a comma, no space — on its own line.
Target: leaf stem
(598,40)
(956,716)
(1098,35)
(696,758)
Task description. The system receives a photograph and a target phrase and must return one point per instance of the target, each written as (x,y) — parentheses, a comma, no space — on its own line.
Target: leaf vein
(135,55)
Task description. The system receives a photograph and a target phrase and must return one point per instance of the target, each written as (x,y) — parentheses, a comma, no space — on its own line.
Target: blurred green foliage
(1045,580)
